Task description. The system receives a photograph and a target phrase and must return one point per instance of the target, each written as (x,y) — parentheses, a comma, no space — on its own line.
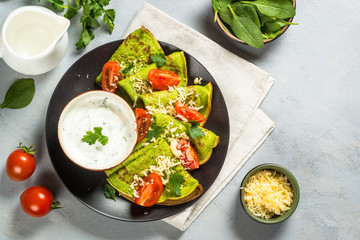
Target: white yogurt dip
(97,109)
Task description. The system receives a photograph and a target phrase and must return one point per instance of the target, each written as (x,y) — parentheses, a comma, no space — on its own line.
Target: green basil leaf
(20,94)
(282,9)
(247,30)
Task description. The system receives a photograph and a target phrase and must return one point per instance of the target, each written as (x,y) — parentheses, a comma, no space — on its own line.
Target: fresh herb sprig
(254,21)
(154,132)
(20,94)
(159,59)
(175,182)
(91,137)
(195,131)
(92,11)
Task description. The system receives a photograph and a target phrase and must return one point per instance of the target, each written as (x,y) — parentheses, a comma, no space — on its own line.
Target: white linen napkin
(242,84)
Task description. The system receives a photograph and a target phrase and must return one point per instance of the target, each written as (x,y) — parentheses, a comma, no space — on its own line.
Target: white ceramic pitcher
(33,39)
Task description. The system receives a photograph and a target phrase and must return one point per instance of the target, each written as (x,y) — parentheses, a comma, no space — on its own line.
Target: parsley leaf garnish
(109,17)
(175,182)
(159,59)
(127,69)
(109,191)
(154,132)
(195,131)
(91,137)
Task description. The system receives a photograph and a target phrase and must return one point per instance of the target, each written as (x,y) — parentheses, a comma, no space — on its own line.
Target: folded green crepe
(156,154)
(135,51)
(138,83)
(174,129)
(196,96)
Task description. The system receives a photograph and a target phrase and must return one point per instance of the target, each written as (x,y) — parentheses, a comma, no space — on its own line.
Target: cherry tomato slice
(163,79)
(143,122)
(37,201)
(188,158)
(150,192)
(110,76)
(188,113)
(21,163)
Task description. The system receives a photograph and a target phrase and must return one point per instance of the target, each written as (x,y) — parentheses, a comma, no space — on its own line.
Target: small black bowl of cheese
(269,193)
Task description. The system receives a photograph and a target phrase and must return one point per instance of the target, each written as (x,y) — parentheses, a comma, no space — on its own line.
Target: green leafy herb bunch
(92,11)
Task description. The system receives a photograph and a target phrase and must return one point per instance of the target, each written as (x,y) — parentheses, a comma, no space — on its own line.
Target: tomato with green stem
(37,201)
(21,163)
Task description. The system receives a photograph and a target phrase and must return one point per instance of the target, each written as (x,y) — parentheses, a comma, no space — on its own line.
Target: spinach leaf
(275,25)
(109,191)
(226,15)
(247,30)
(20,94)
(220,4)
(282,9)
(246,10)
(273,28)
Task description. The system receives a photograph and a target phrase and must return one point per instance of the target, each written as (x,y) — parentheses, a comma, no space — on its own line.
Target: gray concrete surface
(314,103)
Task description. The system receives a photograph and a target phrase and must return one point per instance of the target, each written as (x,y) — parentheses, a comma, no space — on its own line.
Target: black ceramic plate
(87,185)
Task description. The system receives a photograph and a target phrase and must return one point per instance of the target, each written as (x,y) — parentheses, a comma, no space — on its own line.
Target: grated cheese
(268,193)
(183,98)
(197,80)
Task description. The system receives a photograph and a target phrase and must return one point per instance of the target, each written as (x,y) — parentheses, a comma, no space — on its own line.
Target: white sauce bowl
(97,109)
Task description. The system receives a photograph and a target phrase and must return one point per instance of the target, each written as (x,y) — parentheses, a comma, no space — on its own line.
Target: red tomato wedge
(188,113)
(150,192)
(188,158)
(163,79)
(110,76)
(143,122)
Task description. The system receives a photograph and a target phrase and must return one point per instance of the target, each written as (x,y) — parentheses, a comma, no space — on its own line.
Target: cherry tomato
(143,122)
(188,113)
(37,201)
(150,192)
(188,158)
(163,79)
(21,163)
(110,76)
